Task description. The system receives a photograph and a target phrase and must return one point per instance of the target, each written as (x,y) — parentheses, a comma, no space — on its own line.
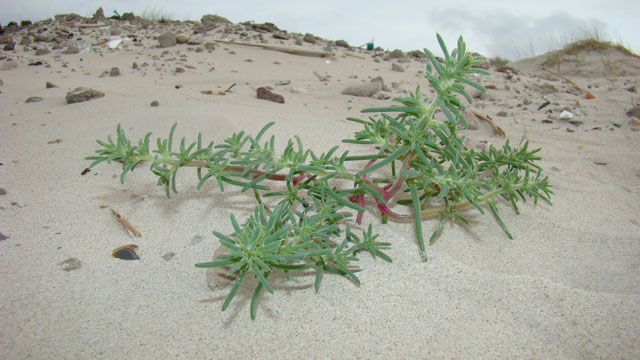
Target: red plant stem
(361,196)
(398,217)
(360,213)
(387,192)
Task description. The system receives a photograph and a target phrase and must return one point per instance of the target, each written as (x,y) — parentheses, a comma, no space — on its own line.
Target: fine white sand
(566,286)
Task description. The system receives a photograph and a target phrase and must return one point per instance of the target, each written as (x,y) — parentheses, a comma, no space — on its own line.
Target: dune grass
(592,44)
(152,13)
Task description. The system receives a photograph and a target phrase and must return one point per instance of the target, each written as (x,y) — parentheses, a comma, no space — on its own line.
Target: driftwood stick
(320,77)
(496,129)
(126,223)
(354,55)
(563,78)
(86,25)
(301,52)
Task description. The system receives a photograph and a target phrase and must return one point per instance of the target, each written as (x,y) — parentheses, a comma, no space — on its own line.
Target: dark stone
(209,22)
(71,50)
(214,20)
(265,94)
(635,112)
(42,38)
(155,103)
(365,90)
(99,15)
(396,67)
(485,64)
(33,99)
(81,94)
(114,71)
(167,39)
(379,79)
(42,51)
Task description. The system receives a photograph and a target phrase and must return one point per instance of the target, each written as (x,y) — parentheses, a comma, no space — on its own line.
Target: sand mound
(588,58)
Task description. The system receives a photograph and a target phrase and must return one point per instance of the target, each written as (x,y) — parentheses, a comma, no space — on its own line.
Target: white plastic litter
(566,115)
(114,41)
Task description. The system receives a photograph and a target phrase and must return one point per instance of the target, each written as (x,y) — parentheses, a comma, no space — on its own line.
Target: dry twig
(563,78)
(320,77)
(496,129)
(354,55)
(126,223)
(86,25)
(301,52)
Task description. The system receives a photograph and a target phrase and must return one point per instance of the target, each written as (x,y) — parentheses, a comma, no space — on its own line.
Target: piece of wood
(86,25)
(100,42)
(496,129)
(354,55)
(563,78)
(126,223)
(320,77)
(301,52)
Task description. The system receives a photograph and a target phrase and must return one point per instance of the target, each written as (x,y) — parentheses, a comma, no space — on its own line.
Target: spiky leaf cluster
(432,172)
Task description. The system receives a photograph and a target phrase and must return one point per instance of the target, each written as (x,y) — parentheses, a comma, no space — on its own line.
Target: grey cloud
(514,36)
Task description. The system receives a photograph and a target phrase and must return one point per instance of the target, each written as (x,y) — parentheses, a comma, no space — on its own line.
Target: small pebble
(33,99)
(196,239)
(81,94)
(397,68)
(168,256)
(155,103)
(71,264)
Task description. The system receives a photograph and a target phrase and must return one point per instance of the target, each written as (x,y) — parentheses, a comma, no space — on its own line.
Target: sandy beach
(566,287)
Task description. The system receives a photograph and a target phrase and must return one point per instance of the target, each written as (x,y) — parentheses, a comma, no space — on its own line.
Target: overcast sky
(506,28)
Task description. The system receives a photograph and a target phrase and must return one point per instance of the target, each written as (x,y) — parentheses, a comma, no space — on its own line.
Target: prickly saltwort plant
(431,170)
